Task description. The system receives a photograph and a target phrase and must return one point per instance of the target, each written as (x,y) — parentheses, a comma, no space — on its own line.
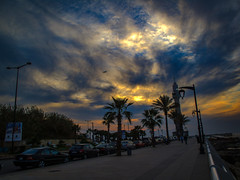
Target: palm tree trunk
(119,138)
(153,138)
(108,126)
(166,125)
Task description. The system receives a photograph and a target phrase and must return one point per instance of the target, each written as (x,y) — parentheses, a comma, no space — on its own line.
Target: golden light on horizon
(138,98)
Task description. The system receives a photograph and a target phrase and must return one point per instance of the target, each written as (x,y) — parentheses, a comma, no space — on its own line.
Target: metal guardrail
(218,168)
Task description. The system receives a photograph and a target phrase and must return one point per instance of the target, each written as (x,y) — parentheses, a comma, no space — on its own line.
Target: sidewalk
(6,156)
(175,161)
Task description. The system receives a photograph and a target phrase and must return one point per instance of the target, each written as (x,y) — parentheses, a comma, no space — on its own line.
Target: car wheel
(41,164)
(23,167)
(85,156)
(66,159)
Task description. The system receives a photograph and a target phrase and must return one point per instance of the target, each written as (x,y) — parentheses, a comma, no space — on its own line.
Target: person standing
(185,138)
(181,139)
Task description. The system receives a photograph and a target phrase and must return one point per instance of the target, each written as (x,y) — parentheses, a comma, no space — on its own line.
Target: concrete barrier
(218,168)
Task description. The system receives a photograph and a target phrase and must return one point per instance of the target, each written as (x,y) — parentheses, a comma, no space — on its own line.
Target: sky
(85,52)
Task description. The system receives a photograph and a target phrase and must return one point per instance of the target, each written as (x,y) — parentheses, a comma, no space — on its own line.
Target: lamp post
(201,126)
(182,93)
(15,103)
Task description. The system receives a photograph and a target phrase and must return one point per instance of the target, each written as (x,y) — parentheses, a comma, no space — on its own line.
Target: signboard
(17,136)
(123,134)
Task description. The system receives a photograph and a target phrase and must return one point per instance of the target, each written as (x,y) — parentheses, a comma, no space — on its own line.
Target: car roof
(81,144)
(42,148)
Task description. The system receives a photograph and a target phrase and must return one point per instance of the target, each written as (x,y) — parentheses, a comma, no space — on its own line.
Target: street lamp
(15,103)
(201,126)
(182,93)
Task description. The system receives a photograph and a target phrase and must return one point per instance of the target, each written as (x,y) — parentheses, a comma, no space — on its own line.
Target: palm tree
(136,132)
(118,109)
(76,128)
(152,119)
(183,119)
(142,133)
(108,119)
(164,103)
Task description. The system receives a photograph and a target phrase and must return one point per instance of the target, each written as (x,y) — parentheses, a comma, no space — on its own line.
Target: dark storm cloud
(225,38)
(168,7)
(213,63)
(174,61)
(136,13)
(219,44)
(142,76)
(212,50)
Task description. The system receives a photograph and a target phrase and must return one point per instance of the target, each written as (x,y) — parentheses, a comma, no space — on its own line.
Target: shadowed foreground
(165,162)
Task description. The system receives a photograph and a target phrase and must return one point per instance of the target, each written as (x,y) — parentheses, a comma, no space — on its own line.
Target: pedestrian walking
(185,139)
(181,139)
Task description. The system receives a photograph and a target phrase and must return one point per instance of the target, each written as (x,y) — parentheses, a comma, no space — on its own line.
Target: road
(8,166)
(165,162)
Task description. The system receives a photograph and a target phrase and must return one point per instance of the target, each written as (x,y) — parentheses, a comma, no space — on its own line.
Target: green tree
(164,103)
(107,120)
(33,125)
(152,119)
(6,116)
(58,126)
(118,109)
(37,125)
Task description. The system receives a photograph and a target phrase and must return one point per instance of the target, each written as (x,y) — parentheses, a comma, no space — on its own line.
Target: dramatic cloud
(85,52)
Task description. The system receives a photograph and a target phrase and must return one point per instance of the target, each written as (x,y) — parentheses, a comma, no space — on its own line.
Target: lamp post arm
(188,87)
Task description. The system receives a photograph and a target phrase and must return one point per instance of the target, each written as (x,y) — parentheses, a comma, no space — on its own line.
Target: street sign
(17,135)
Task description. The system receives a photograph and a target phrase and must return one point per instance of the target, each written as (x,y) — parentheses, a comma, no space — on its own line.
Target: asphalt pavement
(176,161)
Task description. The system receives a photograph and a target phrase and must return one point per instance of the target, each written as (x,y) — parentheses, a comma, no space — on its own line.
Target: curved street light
(182,93)
(15,103)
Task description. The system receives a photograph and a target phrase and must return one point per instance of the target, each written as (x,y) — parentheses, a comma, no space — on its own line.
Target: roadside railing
(219,170)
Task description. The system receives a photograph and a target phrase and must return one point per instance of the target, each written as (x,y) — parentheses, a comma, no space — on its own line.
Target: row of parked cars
(42,156)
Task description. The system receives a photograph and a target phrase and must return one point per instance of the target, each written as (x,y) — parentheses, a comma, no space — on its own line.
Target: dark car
(83,151)
(39,157)
(105,148)
(147,142)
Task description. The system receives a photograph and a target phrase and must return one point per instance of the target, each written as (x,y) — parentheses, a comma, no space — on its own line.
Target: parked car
(114,144)
(139,144)
(105,148)
(83,151)
(40,157)
(127,144)
(147,142)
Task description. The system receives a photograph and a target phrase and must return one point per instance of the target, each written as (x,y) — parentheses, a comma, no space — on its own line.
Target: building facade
(176,98)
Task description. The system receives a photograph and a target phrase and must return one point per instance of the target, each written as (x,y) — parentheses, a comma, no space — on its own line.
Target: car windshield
(31,151)
(77,147)
(101,145)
